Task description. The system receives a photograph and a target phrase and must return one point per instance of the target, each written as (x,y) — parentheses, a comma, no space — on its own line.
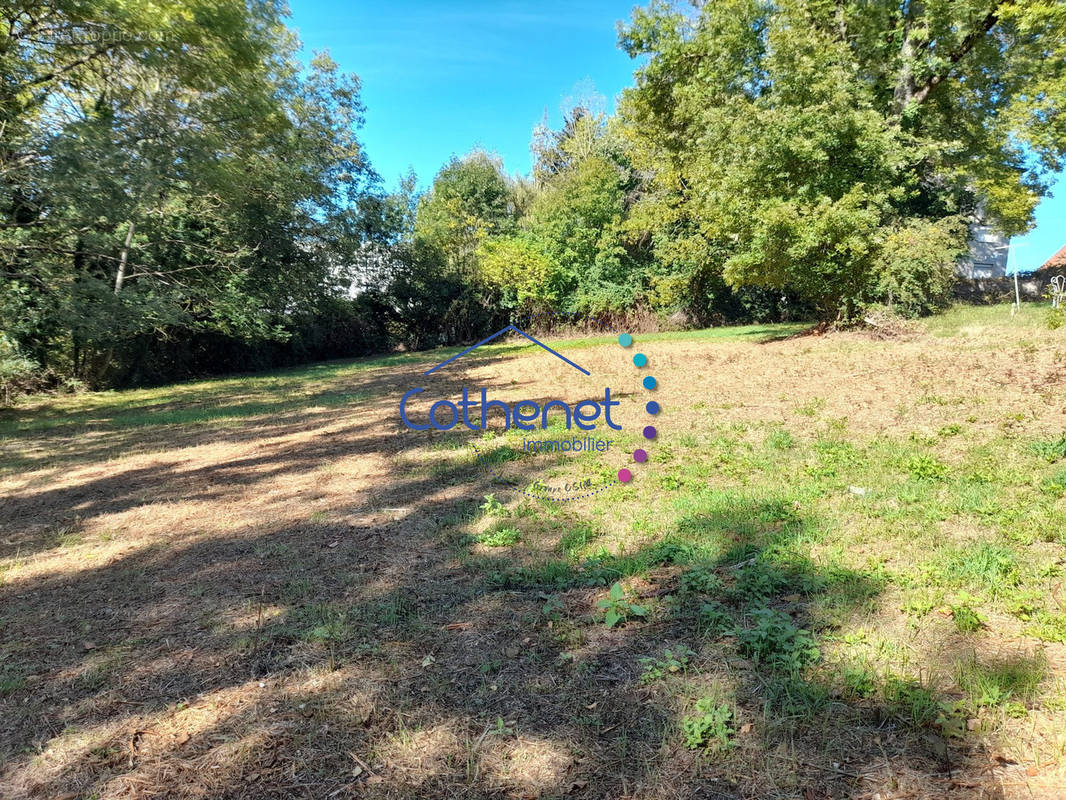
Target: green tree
(175,175)
(786,142)
(470,200)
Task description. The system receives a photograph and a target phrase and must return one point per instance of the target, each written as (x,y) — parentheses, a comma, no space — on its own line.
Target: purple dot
(649,432)
(640,456)
(625,476)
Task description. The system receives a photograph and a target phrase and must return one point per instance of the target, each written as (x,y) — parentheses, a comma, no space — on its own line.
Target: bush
(916,271)
(18,374)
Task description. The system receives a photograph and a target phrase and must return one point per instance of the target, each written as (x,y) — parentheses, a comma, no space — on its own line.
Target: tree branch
(965,46)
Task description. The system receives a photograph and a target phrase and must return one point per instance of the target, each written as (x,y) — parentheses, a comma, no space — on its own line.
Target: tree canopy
(178,193)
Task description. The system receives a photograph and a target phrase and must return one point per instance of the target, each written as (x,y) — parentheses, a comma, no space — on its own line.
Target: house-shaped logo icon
(499,333)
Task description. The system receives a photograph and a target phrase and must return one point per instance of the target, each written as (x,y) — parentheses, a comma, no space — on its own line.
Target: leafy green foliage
(617,608)
(500,537)
(181,197)
(966,619)
(700,580)
(710,727)
(672,663)
(774,639)
(996,682)
(1052,450)
(803,146)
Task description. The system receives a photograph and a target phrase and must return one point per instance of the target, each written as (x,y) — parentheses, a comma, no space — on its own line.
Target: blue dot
(640,359)
(649,382)
(625,340)
(652,407)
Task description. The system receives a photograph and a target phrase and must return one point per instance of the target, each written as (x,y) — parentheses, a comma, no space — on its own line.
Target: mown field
(840,574)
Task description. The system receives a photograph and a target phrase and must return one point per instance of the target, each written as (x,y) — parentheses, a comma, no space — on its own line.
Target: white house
(988,252)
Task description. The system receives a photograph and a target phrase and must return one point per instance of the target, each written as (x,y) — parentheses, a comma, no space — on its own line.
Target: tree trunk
(120,276)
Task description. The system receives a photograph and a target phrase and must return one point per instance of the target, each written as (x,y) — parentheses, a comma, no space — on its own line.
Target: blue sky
(440,78)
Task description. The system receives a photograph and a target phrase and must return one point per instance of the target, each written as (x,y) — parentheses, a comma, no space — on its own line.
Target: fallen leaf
(746,727)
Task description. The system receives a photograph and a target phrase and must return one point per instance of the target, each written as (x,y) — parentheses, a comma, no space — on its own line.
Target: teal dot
(649,382)
(625,340)
(640,359)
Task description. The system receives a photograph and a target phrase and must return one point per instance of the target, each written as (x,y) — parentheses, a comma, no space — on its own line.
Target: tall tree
(786,142)
(187,177)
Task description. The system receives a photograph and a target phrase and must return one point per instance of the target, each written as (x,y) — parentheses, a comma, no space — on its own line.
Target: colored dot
(652,407)
(640,359)
(625,340)
(640,456)
(649,382)
(625,476)
(649,432)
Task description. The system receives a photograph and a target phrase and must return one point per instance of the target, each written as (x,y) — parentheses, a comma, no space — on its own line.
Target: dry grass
(265,587)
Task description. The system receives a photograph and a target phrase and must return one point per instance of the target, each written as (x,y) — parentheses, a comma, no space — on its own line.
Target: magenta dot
(649,432)
(640,456)
(625,476)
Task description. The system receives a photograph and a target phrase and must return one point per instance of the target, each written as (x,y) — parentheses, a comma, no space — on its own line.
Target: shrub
(18,374)
(916,269)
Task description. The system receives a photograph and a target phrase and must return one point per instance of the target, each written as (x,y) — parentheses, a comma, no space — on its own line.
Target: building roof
(1057,260)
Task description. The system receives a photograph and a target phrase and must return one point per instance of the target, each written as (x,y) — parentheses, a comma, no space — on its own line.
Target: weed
(710,728)
(920,602)
(761,580)
(715,620)
(951,718)
(493,507)
(670,664)
(966,619)
(811,407)
(700,580)
(780,439)
(1048,626)
(553,607)
(911,700)
(926,468)
(986,565)
(1051,450)
(1055,484)
(859,682)
(996,682)
(332,625)
(774,639)
(500,537)
(10,683)
(617,608)
(575,540)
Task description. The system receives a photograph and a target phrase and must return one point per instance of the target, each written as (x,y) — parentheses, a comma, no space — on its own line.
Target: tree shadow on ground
(380,652)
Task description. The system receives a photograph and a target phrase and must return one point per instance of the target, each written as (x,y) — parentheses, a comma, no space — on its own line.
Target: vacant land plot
(840,574)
